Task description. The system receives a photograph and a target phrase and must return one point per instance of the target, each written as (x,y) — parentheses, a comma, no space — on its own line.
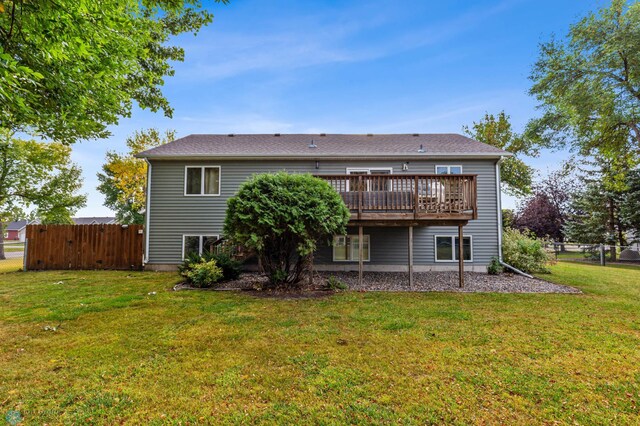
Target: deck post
(411,257)
(360,254)
(460,255)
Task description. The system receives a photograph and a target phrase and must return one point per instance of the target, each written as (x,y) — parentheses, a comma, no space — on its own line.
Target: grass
(96,347)
(14,264)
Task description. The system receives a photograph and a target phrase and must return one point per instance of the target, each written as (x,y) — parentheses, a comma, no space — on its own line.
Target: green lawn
(119,355)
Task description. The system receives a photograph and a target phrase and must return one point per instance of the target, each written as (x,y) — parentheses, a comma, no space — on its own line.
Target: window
(202,180)
(448,170)
(367,184)
(197,244)
(345,248)
(447,248)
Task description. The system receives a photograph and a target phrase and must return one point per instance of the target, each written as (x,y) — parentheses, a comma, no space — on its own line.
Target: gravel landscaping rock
(422,281)
(448,281)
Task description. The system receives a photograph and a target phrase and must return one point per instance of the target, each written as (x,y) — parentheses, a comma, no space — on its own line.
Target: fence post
(24,255)
(602,261)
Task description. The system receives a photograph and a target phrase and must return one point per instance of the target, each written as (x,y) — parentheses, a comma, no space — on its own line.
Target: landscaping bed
(448,281)
(399,281)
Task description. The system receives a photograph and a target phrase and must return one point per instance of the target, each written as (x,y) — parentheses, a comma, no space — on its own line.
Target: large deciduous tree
(70,68)
(123,176)
(545,213)
(39,176)
(589,85)
(494,130)
(283,217)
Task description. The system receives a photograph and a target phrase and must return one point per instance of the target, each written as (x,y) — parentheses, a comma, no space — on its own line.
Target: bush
(231,268)
(283,217)
(524,251)
(203,274)
(334,283)
(494,267)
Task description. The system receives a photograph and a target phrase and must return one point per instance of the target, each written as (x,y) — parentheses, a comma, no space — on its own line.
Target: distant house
(16,231)
(104,220)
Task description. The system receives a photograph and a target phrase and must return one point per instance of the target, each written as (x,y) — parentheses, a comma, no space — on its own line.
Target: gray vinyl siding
(172,214)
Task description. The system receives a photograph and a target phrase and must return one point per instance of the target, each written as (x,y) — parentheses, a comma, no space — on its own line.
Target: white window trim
(333,252)
(448,166)
(202,194)
(200,239)
(453,237)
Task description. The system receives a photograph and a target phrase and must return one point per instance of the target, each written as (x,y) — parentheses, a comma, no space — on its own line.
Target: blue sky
(351,67)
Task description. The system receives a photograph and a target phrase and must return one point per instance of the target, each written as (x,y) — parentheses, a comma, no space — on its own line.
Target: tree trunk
(2,256)
(621,237)
(612,230)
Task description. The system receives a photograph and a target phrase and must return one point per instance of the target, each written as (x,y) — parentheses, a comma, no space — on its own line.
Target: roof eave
(425,156)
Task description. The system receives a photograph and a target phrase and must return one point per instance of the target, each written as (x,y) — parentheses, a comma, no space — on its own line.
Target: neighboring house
(410,195)
(94,220)
(16,231)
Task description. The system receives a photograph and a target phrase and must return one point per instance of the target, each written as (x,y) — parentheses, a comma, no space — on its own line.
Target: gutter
(386,156)
(499,199)
(145,260)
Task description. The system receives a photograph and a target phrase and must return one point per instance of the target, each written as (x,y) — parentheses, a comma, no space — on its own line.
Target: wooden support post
(411,257)
(461,255)
(360,254)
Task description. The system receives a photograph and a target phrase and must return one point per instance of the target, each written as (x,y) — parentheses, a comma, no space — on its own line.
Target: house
(16,231)
(411,195)
(105,220)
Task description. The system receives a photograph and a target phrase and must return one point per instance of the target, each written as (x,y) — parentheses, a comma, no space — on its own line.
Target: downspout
(147,214)
(499,200)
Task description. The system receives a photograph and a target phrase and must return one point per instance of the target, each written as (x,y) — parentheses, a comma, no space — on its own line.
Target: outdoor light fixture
(421,149)
(405,166)
(317,165)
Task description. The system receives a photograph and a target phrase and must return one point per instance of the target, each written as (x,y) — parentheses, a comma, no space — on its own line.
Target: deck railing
(423,195)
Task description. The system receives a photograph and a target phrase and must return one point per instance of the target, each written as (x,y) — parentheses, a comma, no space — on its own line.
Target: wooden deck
(407,199)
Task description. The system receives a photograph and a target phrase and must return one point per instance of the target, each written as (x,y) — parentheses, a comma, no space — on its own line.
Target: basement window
(447,248)
(197,244)
(345,248)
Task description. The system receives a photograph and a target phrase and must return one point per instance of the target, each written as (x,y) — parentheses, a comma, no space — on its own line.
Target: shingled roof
(293,146)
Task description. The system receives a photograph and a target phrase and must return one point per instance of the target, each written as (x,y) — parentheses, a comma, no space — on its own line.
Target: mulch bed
(398,281)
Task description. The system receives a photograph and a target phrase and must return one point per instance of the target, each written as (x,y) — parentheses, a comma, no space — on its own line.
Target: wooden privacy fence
(84,247)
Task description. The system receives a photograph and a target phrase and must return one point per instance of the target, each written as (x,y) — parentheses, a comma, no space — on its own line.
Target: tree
(37,175)
(589,85)
(508,216)
(123,176)
(283,217)
(545,213)
(595,217)
(496,131)
(597,210)
(630,208)
(70,68)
